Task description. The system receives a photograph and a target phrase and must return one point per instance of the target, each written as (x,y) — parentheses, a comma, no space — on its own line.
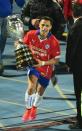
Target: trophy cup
(23,54)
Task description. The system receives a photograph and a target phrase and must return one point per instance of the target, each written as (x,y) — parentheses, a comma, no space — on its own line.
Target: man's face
(45,26)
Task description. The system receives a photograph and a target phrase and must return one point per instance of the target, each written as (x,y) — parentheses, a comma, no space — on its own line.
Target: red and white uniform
(43,50)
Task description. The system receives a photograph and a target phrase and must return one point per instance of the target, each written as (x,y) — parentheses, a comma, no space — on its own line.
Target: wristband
(43,63)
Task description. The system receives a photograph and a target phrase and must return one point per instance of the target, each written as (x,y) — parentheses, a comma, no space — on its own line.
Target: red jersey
(43,50)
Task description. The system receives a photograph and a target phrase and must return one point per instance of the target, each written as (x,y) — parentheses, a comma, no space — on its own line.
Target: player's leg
(29,96)
(42,85)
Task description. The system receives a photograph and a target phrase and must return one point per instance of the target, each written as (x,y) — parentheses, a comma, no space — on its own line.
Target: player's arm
(52,61)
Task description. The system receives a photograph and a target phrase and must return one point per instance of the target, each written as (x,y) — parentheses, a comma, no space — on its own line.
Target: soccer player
(46,51)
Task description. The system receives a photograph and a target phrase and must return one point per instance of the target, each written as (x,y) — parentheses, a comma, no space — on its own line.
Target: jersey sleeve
(26,38)
(55,51)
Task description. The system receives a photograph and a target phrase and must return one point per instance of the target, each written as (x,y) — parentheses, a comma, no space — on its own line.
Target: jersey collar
(38,32)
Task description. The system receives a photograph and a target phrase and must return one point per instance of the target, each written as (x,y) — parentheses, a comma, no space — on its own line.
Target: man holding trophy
(45,52)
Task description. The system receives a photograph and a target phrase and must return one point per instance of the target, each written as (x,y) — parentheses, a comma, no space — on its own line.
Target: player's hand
(35,23)
(40,63)
(17,43)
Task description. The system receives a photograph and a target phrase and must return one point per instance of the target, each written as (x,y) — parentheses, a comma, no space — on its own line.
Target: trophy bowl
(15,27)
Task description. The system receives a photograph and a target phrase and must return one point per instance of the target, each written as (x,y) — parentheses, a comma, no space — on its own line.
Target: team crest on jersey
(33,41)
(47,46)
